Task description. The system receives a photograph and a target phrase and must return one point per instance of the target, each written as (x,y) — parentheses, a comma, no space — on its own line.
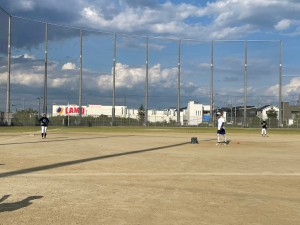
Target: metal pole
(80,78)
(68,114)
(8,72)
(231,109)
(212,83)
(245,83)
(114,81)
(147,80)
(280,85)
(46,70)
(178,97)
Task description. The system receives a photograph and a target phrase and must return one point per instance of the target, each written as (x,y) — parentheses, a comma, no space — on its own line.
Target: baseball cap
(218,113)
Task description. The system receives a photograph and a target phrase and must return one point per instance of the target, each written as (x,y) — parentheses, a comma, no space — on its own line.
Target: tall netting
(195,72)
(163,73)
(122,79)
(130,72)
(27,64)
(63,59)
(263,73)
(246,73)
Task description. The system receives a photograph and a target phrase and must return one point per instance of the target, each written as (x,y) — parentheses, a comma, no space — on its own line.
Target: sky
(242,32)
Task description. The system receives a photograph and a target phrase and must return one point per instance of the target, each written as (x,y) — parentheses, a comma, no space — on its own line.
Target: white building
(192,115)
(195,113)
(90,110)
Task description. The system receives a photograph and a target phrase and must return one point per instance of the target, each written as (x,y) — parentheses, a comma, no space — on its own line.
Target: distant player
(221,129)
(44,121)
(264,126)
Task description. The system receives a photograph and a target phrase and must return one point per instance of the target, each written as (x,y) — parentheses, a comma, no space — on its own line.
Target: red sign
(74,110)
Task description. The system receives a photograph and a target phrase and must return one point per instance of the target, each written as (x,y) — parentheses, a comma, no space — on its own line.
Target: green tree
(272,117)
(26,117)
(271,113)
(296,120)
(141,114)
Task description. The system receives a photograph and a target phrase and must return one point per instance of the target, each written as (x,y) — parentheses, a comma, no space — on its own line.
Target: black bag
(194,140)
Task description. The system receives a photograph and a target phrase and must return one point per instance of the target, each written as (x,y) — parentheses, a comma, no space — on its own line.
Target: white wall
(193,114)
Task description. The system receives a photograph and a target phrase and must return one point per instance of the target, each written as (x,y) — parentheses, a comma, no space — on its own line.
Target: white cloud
(169,27)
(62,82)
(24,56)
(33,75)
(38,68)
(125,77)
(289,89)
(130,77)
(95,17)
(69,66)
(223,18)
(27,79)
(26,5)
(176,18)
(166,78)
(283,24)
(3,78)
(293,87)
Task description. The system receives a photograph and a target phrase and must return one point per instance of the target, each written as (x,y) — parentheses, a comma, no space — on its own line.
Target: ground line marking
(162,174)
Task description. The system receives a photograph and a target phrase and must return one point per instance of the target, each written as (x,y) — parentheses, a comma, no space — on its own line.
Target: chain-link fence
(159,121)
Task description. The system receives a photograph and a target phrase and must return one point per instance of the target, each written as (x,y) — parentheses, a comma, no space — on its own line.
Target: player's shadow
(210,139)
(13,206)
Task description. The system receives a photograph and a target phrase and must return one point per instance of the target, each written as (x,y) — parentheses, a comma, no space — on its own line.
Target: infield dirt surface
(155,178)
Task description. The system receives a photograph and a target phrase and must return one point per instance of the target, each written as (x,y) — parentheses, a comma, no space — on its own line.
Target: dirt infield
(149,179)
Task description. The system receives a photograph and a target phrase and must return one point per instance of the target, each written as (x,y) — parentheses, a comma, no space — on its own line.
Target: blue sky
(197,23)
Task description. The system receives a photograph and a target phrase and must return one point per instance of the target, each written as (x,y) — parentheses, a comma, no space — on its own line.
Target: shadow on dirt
(68,163)
(13,206)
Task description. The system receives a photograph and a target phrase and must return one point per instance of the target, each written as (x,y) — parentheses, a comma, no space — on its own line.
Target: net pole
(178,97)
(114,81)
(8,70)
(147,81)
(80,78)
(212,83)
(280,85)
(46,69)
(245,83)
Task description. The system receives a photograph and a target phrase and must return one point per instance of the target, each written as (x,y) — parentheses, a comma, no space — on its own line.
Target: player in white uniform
(221,129)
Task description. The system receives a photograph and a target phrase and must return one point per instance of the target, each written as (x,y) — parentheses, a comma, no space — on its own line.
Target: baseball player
(221,129)
(44,121)
(264,126)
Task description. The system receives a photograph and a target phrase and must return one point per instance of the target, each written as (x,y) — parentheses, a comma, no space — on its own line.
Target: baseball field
(148,176)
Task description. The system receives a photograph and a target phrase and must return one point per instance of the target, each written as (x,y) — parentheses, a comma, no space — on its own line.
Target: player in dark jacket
(264,126)
(44,121)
